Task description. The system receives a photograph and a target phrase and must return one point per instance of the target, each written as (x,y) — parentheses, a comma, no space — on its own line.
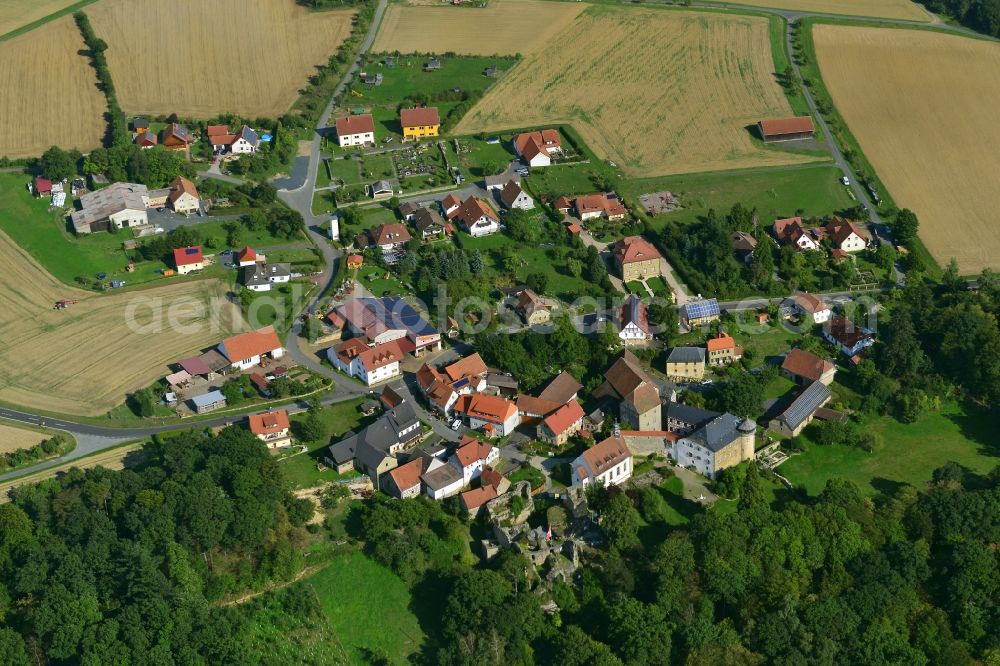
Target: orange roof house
(786,129)
(272,428)
(723,349)
(564,422)
(806,368)
(605,205)
(355,261)
(246,349)
(406,478)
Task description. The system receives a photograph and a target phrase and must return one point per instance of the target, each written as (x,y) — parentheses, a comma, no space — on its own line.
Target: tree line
(981,15)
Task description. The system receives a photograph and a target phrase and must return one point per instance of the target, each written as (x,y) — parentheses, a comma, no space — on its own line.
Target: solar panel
(706,308)
(806,403)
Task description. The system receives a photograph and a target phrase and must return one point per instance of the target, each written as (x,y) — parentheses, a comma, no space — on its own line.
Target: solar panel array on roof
(805,404)
(706,308)
(192,250)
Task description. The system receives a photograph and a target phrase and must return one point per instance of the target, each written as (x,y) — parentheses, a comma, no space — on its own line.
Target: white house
(493,415)
(442,480)
(633,323)
(720,442)
(183,197)
(476,216)
(245,142)
(471,456)
(538,148)
(810,305)
(260,276)
(845,235)
(369,364)
(272,428)
(608,462)
(789,231)
(512,196)
(355,130)
(246,350)
(449,205)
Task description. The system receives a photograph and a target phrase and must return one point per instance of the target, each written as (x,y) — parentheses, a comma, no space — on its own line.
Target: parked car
(456,424)
(845,180)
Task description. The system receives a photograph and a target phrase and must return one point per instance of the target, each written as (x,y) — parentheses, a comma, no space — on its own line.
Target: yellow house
(420,122)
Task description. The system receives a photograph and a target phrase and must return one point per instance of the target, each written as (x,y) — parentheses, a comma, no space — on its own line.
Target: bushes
(117,134)
(44,449)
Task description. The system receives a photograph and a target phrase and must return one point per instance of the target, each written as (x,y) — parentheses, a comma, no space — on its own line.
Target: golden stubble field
(923,107)
(891,9)
(85,359)
(504,27)
(17,13)
(659,92)
(198,58)
(48,92)
(13,438)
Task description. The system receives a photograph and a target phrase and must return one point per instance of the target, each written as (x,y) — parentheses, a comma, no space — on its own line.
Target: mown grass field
(775,193)
(959,433)
(890,9)
(656,91)
(368,607)
(50,94)
(200,59)
(504,27)
(921,105)
(338,419)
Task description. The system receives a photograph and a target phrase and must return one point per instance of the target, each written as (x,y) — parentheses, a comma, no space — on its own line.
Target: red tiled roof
(42,185)
(573,228)
(810,303)
(361,124)
(269,423)
(784,226)
(840,229)
(472,209)
(407,475)
(187,256)
(472,365)
(490,477)
(486,407)
(420,117)
(563,418)
(536,142)
(804,364)
(389,234)
(473,499)
(635,248)
(380,356)
(181,185)
(779,126)
(215,130)
(535,407)
(470,452)
(349,349)
(723,341)
(248,254)
(247,345)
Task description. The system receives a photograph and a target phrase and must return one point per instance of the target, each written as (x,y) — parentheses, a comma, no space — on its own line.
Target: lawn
(376,167)
(531,259)
(346,170)
(475,155)
(323,202)
(368,607)
(371,278)
(775,193)
(408,78)
(568,179)
(910,452)
(300,470)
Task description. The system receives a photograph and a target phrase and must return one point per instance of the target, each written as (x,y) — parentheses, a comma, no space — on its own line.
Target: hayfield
(922,105)
(13,438)
(17,13)
(199,59)
(504,27)
(84,360)
(659,92)
(50,94)
(890,9)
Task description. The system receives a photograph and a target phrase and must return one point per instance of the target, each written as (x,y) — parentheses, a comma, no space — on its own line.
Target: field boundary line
(37,23)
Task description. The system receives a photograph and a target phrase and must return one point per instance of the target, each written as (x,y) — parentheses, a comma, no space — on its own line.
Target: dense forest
(981,15)
(127,567)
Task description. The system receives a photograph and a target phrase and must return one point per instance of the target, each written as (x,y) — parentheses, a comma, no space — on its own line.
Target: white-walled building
(608,462)
(471,456)
(246,350)
(369,364)
(355,130)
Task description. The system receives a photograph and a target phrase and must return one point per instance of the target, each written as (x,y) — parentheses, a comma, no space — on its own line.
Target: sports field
(18,13)
(922,105)
(504,27)
(83,360)
(200,59)
(658,92)
(891,9)
(49,92)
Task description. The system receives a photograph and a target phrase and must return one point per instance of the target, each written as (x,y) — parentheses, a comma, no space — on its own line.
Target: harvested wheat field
(199,59)
(13,438)
(505,27)
(923,107)
(18,13)
(659,92)
(50,94)
(890,9)
(83,360)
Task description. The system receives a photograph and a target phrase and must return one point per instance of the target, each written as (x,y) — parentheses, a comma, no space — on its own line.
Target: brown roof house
(512,196)
(639,397)
(743,245)
(636,258)
(429,223)
(532,308)
(477,217)
(606,205)
(272,428)
(608,462)
(175,137)
(845,236)
(723,350)
(805,368)
(786,129)
(789,231)
(390,238)
(355,130)
(538,148)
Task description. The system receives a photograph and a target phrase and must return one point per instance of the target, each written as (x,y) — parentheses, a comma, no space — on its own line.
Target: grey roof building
(721,431)
(800,413)
(260,276)
(683,419)
(686,355)
(389,434)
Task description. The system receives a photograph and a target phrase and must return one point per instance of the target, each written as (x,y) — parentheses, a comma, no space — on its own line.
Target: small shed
(208,402)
